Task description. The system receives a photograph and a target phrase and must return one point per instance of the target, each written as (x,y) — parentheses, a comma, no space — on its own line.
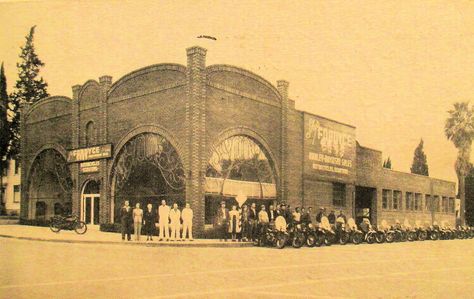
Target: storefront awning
(234,188)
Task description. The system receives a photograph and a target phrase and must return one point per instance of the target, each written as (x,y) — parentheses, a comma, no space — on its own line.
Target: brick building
(202,134)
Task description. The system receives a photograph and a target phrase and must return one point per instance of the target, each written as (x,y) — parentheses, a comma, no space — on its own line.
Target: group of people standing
(246,222)
(239,223)
(169,218)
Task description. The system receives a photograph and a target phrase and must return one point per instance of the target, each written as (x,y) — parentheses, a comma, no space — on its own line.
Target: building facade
(201,134)
(11,188)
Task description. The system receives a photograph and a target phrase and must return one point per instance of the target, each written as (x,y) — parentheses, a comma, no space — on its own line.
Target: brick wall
(196,107)
(371,174)
(46,124)
(295,159)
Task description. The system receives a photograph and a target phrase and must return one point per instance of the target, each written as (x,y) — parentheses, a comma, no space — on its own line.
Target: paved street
(34,269)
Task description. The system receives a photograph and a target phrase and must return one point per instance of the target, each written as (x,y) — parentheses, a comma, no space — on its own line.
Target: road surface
(35,269)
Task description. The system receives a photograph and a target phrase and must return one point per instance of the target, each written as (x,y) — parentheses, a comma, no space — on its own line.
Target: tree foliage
(459,128)
(419,164)
(4,127)
(387,163)
(470,197)
(28,89)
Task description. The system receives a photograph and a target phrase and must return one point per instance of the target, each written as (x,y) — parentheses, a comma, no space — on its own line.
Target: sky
(391,68)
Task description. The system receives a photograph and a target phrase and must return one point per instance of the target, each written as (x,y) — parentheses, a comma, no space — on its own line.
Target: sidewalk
(94,236)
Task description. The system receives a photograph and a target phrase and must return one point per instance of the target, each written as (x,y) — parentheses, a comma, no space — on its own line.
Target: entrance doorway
(366,204)
(90,203)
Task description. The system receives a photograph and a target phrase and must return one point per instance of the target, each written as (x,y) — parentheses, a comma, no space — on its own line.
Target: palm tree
(459,128)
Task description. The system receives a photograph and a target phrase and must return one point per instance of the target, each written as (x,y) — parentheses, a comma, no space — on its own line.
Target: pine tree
(28,89)
(419,165)
(387,163)
(4,131)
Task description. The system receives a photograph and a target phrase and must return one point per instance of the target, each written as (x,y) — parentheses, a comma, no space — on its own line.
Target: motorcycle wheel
(280,242)
(319,240)
(411,236)
(329,239)
(390,237)
(80,228)
(371,238)
(404,237)
(434,235)
(344,238)
(297,241)
(380,237)
(311,240)
(422,236)
(357,238)
(54,227)
(442,235)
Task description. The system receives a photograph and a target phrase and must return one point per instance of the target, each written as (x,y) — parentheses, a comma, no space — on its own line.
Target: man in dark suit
(322,212)
(304,216)
(278,210)
(286,214)
(222,221)
(126,220)
(253,217)
(272,214)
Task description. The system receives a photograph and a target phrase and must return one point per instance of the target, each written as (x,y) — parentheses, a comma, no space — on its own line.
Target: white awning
(234,188)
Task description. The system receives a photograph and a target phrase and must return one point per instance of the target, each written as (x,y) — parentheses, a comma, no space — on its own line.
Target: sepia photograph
(236,149)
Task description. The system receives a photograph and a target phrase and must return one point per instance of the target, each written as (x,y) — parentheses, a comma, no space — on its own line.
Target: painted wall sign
(90,153)
(329,147)
(89,167)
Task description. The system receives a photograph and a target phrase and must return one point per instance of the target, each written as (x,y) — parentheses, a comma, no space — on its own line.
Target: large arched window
(147,170)
(91,134)
(49,182)
(239,171)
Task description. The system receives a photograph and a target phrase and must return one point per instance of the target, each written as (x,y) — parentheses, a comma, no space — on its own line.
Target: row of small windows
(17,168)
(392,200)
(16,193)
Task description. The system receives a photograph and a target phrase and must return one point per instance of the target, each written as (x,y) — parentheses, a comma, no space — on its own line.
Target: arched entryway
(146,170)
(49,185)
(90,203)
(239,171)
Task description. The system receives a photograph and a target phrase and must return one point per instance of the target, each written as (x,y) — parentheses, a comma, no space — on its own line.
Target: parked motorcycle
(389,232)
(410,231)
(281,234)
(370,233)
(460,232)
(433,232)
(324,233)
(380,235)
(469,232)
(310,235)
(342,234)
(356,236)
(297,236)
(72,222)
(421,233)
(400,233)
(272,237)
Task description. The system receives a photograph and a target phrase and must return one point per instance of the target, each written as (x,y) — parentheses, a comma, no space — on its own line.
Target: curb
(154,244)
